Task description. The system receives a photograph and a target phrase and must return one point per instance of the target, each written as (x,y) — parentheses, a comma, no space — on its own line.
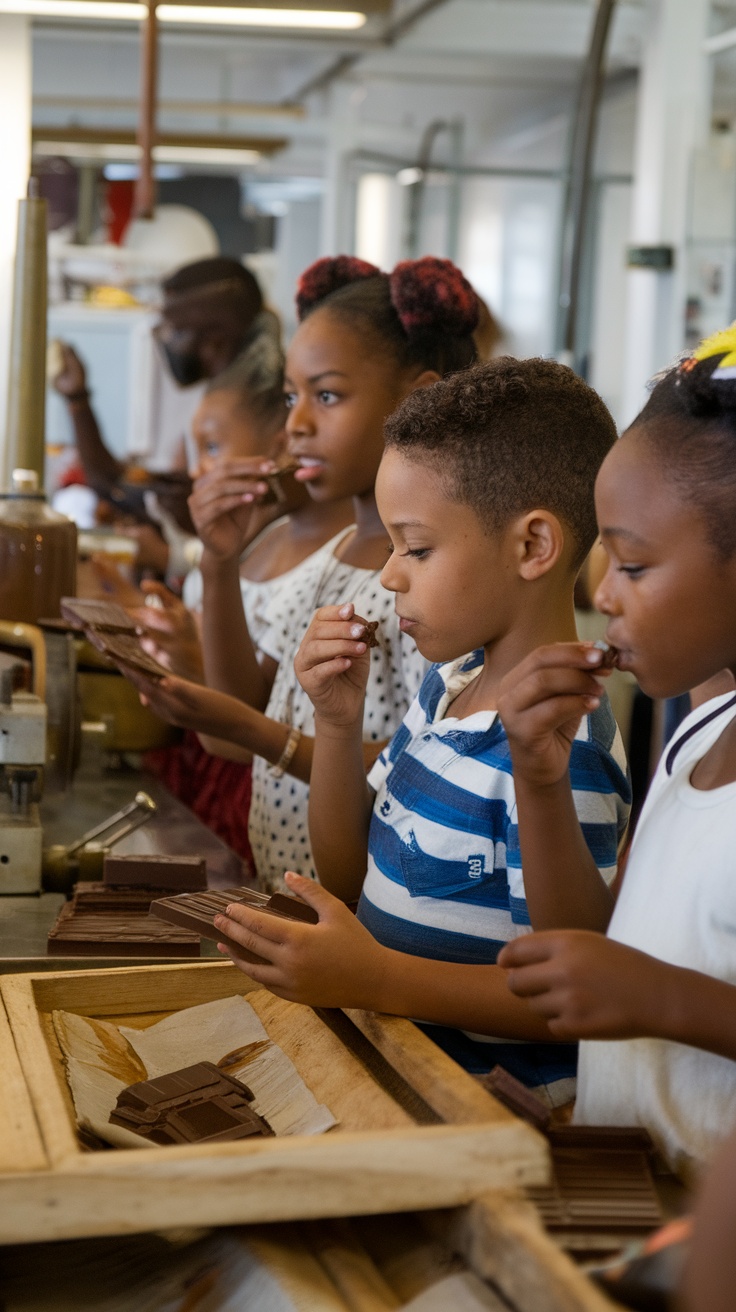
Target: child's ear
(540,543)
(424,379)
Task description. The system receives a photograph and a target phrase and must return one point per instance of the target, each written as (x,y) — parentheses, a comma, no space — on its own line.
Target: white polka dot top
(257,596)
(278,816)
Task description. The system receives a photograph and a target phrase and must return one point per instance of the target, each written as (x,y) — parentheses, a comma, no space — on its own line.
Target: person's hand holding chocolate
(169,632)
(541,703)
(335,963)
(333,664)
(589,987)
(232,503)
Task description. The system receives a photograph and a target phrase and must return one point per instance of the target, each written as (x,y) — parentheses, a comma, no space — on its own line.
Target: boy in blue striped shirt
(486,491)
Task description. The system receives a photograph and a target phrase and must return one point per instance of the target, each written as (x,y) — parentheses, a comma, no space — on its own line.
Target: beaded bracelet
(285,759)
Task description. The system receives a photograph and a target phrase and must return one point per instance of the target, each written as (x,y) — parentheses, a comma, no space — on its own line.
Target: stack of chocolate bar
(197,911)
(112,918)
(197,1104)
(602,1183)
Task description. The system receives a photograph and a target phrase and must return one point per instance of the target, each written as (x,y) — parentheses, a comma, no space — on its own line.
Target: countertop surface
(96,793)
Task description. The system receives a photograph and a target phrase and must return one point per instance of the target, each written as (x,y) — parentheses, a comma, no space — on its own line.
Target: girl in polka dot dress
(365,341)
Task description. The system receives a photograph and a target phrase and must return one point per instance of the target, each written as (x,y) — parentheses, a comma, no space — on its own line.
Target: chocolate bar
(197,1104)
(182,873)
(610,654)
(107,616)
(601,1175)
(197,911)
(96,896)
(125,649)
(520,1100)
(83,930)
(112,632)
(370,627)
(275,480)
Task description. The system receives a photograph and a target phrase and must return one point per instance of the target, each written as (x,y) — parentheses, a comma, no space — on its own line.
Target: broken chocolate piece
(184,874)
(370,627)
(519,1100)
(275,479)
(197,911)
(197,1104)
(610,654)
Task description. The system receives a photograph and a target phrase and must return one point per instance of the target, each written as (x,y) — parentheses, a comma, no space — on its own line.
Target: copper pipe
(145,192)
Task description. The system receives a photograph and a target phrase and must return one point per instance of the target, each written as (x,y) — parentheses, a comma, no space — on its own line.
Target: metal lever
(142,804)
(63,866)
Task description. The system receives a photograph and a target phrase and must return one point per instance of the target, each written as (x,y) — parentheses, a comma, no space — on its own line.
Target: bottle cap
(25,480)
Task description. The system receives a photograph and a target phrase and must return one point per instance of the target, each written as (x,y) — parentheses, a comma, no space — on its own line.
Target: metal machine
(22,760)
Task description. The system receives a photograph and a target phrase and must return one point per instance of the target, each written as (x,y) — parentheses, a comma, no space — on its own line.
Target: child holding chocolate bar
(365,341)
(656,998)
(486,490)
(239,424)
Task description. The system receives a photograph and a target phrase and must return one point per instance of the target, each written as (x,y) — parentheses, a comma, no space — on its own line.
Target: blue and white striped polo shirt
(444,876)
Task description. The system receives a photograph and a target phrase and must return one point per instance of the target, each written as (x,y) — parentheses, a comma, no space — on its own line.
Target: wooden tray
(415,1132)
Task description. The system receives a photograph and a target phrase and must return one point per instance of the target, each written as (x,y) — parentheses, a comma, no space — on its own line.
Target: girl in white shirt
(655,999)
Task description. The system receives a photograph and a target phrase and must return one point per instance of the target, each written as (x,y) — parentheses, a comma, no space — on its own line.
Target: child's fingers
(152,588)
(263,947)
(532,981)
(252,922)
(152,621)
(265,974)
(318,654)
(549,716)
(528,950)
(313,894)
(205,517)
(547,684)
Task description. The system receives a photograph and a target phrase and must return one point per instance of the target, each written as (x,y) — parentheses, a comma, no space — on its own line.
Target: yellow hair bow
(721,343)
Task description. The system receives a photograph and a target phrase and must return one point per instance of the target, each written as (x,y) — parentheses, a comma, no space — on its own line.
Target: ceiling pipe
(144,204)
(577,199)
(392,33)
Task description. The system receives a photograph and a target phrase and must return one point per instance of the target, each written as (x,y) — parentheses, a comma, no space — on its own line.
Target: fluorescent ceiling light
(162,154)
(75,9)
(203,15)
(230,16)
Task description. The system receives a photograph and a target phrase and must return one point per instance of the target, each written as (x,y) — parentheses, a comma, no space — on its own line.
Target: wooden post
(145,192)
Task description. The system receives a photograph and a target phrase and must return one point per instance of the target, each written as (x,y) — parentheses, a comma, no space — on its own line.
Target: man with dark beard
(212,310)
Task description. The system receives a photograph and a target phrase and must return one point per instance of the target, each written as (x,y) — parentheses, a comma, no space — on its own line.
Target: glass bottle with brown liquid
(38,553)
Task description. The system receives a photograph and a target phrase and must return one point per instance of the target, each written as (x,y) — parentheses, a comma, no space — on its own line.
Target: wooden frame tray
(415,1131)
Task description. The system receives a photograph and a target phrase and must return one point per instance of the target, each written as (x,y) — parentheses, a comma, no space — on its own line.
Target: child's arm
(589,987)
(227,516)
(215,714)
(541,704)
(337,963)
(332,665)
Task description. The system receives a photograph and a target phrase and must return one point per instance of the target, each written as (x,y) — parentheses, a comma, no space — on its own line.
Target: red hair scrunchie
(432,295)
(328,275)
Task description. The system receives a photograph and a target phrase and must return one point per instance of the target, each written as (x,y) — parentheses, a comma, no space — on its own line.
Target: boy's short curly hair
(509,436)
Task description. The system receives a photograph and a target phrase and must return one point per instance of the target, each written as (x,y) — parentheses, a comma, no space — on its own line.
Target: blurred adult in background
(212,311)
